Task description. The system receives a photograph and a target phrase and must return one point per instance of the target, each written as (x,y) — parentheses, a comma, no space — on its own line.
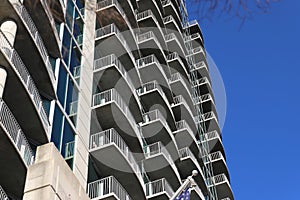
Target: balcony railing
(210,136)
(147,61)
(214,156)
(194,51)
(205,117)
(200,65)
(147,36)
(219,179)
(110,96)
(70,149)
(156,115)
(12,127)
(157,148)
(21,70)
(22,12)
(203,98)
(105,187)
(113,60)
(151,86)
(201,81)
(182,124)
(3,195)
(192,37)
(158,186)
(111,136)
(185,153)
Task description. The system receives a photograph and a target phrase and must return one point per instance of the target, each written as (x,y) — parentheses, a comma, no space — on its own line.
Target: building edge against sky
(121,87)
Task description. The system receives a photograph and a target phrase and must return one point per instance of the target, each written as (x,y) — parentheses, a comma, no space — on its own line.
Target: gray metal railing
(10,124)
(106,186)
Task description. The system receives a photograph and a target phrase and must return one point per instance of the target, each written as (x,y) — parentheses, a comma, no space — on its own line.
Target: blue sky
(260,66)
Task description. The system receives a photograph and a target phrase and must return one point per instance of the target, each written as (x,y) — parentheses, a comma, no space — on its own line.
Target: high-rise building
(121,87)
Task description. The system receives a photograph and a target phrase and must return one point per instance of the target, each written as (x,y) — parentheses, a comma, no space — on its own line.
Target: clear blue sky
(260,66)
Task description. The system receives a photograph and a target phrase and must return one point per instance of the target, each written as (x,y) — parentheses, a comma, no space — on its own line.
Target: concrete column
(9,28)
(3,75)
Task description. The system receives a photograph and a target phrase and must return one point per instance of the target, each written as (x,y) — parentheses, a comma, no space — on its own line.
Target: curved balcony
(109,40)
(15,152)
(210,120)
(114,158)
(170,9)
(178,65)
(179,86)
(123,20)
(159,164)
(20,87)
(222,186)
(113,112)
(214,141)
(203,86)
(147,21)
(155,6)
(174,44)
(153,97)
(200,70)
(185,137)
(159,190)
(107,188)
(42,17)
(181,111)
(110,73)
(172,26)
(188,162)
(218,163)
(198,54)
(155,128)
(150,69)
(30,47)
(207,103)
(194,39)
(194,27)
(149,45)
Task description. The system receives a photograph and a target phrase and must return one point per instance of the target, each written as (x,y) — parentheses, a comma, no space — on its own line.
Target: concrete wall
(51,178)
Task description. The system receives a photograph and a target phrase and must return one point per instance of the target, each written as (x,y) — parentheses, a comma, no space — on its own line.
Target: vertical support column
(9,29)
(3,75)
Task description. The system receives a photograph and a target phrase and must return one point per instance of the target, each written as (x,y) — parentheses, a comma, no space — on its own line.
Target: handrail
(22,12)
(150,86)
(25,77)
(203,80)
(158,186)
(182,124)
(3,195)
(214,156)
(218,179)
(16,134)
(157,148)
(105,187)
(112,136)
(195,50)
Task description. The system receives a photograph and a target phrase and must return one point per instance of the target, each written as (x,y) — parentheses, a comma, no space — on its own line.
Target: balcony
(195,40)
(181,86)
(113,157)
(153,97)
(149,44)
(222,186)
(210,120)
(107,188)
(178,65)
(175,45)
(171,9)
(3,195)
(42,17)
(109,73)
(112,112)
(194,27)
(203,86)
(30,46)
(185,137)
(214,142)
(198,54)
(155,6)
(155,128)
(15,153)
(147,21)
(118,15)
(109,40)
(150,69)
(20,87)
(172,26)
(188,162)
(207,103)
(159,164)
(159,190)
(182,111)
(218,163)
(200,70)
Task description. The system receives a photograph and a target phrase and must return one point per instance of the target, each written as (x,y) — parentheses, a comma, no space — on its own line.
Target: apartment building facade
(121,87)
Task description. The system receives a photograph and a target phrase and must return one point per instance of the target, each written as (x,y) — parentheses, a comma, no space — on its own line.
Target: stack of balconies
(145,139)
(26,75)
